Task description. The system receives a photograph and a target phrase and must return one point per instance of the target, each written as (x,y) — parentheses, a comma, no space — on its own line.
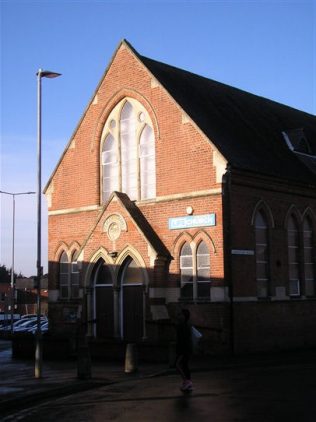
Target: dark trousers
(182,365)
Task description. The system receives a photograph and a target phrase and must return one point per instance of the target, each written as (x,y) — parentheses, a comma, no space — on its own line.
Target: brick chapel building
(178,191)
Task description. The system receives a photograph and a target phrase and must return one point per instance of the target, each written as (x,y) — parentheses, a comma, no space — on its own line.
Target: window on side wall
(309,257)
(293,257)
(262,254)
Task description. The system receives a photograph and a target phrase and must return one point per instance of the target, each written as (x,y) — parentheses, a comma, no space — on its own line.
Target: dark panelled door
(103,301)
(104,311)
(133,312)
(131,301)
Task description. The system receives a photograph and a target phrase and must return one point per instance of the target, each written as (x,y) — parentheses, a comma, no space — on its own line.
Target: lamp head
(47,74)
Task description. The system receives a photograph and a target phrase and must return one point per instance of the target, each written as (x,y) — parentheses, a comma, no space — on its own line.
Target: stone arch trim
(100,253)
(293,211)
(262,205)
(308,212)
(133,253)
(74,247)
(63,247)
(180,241)
(202,235)
(116,98)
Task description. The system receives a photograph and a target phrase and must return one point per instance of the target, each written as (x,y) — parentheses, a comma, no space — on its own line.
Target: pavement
(19,388)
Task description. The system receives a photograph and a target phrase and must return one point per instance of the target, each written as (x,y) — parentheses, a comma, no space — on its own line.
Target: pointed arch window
(147,163)
(186,270)
(195,271)
(309,257)
(262,254)
(128,152)
(203,270)
(63,276)
(110,166)
(293,256)
(74,276)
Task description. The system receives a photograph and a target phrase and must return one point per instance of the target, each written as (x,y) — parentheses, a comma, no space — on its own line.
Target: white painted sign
(190,221)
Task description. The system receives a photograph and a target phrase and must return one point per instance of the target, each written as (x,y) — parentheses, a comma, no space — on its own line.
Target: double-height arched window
(262,254)
(301,256)
(128,152)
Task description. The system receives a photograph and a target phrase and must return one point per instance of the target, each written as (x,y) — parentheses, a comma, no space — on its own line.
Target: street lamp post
(13,244)
(38,347)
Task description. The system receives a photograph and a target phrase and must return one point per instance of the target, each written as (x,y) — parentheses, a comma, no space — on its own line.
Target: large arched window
(309,257)
(110,166)
(147,163)
(262,254)
(128,152)
(293,256)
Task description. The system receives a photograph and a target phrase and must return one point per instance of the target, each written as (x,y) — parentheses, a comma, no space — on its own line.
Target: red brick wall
(183,164)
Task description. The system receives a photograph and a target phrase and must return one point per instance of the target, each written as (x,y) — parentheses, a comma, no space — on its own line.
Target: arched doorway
(131,300)
(103,300)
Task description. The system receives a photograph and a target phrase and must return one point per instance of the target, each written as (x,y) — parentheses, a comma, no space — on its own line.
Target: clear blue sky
(266,47)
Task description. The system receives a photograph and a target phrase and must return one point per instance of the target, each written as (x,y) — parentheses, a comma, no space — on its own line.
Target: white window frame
(195,282)
(141,120)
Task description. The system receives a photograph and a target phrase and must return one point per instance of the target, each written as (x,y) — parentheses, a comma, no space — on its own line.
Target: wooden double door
(119,303)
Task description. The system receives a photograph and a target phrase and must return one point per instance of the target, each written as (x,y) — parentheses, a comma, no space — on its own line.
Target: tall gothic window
(262,255)
(63,276)
(203,271)
(186,270)
(74,276)
(309,257)
(293,254)
(128,152)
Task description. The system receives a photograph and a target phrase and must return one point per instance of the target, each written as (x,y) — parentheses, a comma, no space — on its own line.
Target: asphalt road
(257,394)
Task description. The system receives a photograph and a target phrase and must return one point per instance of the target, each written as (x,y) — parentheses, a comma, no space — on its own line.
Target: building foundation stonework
(176,191)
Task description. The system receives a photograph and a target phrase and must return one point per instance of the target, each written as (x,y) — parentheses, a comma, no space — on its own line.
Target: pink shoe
(186,386)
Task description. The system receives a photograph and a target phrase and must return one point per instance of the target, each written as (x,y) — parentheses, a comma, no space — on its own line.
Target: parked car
(28,324)
(44,327)
(16,324)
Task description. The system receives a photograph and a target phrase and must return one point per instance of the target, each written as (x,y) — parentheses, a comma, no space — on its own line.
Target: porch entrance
(118,301)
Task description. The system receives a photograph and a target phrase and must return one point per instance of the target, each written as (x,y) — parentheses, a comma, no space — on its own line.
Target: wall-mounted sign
(189,221)
(243,252)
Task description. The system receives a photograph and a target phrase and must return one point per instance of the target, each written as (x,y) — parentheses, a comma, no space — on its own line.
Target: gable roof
(246,129)
(139,220)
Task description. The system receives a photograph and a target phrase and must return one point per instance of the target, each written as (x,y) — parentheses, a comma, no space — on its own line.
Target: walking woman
(184,348)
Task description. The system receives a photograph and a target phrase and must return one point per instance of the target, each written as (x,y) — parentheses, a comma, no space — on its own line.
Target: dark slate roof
(246,129)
